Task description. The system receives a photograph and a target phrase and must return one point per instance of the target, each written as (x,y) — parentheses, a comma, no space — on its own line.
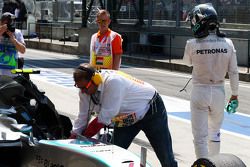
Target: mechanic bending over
(130,104)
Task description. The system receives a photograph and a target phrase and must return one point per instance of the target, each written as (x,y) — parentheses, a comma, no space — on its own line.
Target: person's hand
(233,97)
(93,128)
(3,29)
(233,104)
(11,36)
(72,136)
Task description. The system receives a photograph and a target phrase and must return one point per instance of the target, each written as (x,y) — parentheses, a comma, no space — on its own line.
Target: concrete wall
(46,31)
(84,40)
(241,46)
(178,42)
(55,47)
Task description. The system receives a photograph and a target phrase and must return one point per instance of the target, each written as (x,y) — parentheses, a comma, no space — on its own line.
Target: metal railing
(166,47)
(170,47)
(229,11)
(59,32)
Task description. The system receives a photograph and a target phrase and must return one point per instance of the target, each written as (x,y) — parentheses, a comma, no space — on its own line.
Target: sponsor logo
(211,51)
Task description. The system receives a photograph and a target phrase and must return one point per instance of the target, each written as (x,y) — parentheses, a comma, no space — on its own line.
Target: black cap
(7,16)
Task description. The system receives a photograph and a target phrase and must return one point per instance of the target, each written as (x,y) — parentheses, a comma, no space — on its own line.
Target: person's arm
(233,74)
(112,99)
(93,128)
(116,62)
(113,94)
(91,47)
(117,52)
(20,46)
(81,122)
(187,54)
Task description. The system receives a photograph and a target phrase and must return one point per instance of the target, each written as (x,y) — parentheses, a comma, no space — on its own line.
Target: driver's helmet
(203,17)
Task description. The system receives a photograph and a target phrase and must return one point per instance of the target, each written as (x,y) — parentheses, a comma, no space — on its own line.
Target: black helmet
(203,17)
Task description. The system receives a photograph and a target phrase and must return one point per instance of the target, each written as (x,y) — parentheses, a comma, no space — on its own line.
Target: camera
(11,28)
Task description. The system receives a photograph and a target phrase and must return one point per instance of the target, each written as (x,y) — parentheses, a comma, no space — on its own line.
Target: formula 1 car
(33,133)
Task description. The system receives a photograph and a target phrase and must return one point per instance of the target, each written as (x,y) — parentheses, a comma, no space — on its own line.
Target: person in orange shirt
(106,45)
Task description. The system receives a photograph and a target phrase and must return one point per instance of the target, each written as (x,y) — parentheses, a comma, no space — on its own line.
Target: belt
(153,98)
(153,104)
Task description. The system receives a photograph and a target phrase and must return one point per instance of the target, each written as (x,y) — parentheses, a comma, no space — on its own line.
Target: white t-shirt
(119,93)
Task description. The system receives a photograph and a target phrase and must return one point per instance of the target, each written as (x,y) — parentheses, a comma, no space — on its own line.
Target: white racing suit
(212,58)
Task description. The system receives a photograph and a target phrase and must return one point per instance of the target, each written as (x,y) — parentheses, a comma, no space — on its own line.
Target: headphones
(93,75)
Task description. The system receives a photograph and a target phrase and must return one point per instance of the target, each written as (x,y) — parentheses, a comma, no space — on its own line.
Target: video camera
(11,27)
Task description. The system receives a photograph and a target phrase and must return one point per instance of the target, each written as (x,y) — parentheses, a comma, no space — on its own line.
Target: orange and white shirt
(103,48)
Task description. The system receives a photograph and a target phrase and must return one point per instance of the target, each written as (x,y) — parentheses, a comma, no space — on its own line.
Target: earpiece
(93,75)
(97,78)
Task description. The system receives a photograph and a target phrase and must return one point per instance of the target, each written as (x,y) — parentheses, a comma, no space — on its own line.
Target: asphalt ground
(235,139)
(236,143)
